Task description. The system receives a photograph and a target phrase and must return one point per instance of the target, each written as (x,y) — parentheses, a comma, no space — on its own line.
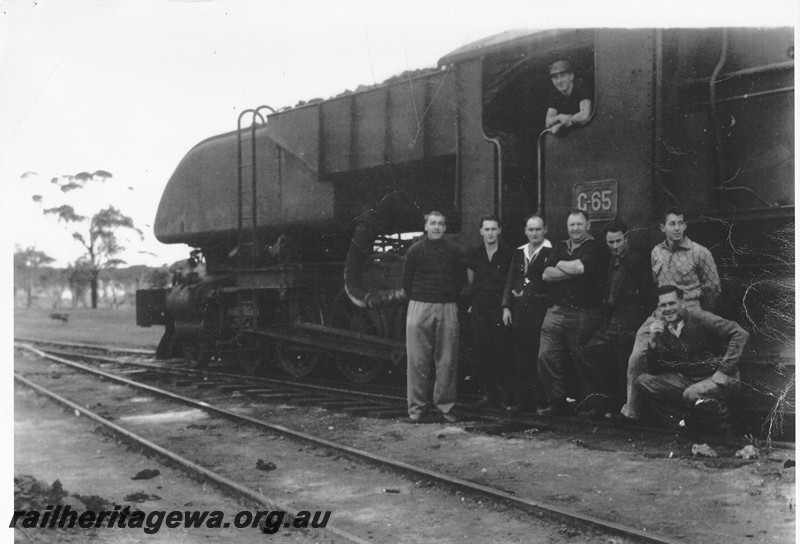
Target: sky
(129,86)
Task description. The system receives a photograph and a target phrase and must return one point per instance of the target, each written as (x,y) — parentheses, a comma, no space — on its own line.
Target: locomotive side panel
(732,151)
(476,171)
(297,131)
(410,119)
(371,122)
(200,202)
(617,143)
(206,174)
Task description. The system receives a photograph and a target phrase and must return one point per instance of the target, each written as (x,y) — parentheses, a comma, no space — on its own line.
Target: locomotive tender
(302,215)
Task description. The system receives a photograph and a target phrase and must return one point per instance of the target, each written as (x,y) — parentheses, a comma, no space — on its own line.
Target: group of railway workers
(583,326)
(573,327)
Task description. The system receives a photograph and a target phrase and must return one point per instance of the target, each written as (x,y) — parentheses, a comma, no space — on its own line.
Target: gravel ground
(372,503)
(654,485)
(720,500)
(52,445)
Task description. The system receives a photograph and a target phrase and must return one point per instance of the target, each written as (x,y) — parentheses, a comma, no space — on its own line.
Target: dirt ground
(371,503)
(693,499)
(51,444)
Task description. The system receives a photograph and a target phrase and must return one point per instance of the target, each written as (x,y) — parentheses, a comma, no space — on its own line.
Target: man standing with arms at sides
(433,275)
(685,373)
(487,269)
(629,297)
(576,271)
(685,264)
(525,304)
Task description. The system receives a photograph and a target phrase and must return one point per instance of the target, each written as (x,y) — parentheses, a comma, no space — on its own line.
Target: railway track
(367,400)
(467,488)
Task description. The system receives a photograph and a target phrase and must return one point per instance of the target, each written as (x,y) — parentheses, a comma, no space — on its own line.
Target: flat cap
(560,66)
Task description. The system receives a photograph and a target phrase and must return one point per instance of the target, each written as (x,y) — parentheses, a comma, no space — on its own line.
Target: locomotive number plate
(598,198)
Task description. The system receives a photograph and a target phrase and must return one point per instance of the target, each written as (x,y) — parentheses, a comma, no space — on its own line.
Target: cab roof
(512,38)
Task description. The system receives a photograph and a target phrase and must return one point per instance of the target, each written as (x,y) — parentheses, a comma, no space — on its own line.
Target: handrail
(256,119)
(540,171)
(498,176)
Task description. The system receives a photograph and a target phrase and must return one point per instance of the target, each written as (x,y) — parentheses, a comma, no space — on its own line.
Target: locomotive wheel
(252,355)
(298,361)
(359,368)
(196,355)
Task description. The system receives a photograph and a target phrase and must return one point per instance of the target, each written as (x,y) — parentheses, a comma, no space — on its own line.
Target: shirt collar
(572,247)
(526,249)
(683,314)
(677,327)
(685,244)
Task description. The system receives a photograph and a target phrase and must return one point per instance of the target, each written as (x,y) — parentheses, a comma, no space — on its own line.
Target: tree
(55,281)
(79,276)
(98,238)
(97,234)
(26,266)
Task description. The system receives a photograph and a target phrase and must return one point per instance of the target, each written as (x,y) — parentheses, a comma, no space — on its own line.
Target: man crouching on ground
(433,275)
(686,375)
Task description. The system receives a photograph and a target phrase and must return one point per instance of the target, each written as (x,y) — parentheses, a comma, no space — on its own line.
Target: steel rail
(185,464)
(523,504)
(551,424)
(107,349)
(255,379)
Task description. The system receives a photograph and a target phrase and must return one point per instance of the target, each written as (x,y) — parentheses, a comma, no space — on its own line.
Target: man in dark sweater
(433,275)
(576,272)
(686,375)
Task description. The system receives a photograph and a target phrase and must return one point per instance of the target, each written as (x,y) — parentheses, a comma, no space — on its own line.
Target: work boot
(710,416)
(450,417)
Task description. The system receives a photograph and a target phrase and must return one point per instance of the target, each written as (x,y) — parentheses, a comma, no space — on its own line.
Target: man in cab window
(570,102)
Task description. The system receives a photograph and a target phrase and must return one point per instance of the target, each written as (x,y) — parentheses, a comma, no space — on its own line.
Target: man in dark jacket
(433,275)
(487,269)
(686,376)
(525,304)
(629,297)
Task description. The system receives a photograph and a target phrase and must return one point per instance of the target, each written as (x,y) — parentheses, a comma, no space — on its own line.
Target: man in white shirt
(525,304)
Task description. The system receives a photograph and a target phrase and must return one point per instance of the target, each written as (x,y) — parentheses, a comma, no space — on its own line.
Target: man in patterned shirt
(689,266)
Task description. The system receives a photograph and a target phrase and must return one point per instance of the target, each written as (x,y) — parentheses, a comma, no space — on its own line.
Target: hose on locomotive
(368,226)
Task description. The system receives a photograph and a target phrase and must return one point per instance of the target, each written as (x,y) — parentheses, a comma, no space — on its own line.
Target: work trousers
(432,335)
(490,347)
(604,367)
(637,365)
(565,331)
(524,384)
(672,397)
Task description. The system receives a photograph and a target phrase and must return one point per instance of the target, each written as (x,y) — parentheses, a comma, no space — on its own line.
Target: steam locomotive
(300,217)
